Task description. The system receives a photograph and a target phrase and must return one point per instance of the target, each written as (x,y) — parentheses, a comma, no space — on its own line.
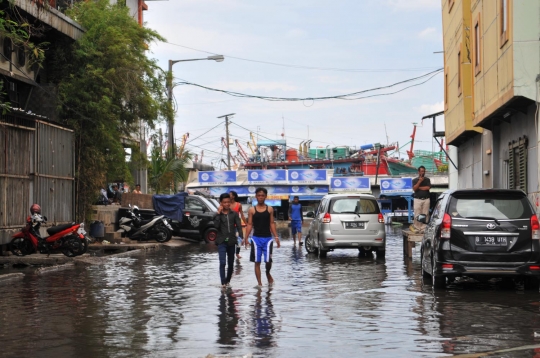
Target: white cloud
(430,108)
(415,4)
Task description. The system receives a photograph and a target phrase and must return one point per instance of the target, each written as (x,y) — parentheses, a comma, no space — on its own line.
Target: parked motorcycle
(135,228)
(70,239)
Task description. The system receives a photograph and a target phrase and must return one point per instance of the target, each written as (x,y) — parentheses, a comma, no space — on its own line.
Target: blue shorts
(296,226)
(261,246)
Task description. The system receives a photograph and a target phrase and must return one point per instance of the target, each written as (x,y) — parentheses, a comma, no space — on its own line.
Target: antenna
(387,140)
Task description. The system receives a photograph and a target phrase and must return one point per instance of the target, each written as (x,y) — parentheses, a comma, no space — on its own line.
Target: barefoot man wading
(261,220)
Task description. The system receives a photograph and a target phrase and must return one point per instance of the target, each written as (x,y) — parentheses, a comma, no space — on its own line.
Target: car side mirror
(310,214)
(422,218)
(204,210)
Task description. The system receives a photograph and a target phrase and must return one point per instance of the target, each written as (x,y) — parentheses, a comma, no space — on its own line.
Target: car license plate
(354,225)
(490,241)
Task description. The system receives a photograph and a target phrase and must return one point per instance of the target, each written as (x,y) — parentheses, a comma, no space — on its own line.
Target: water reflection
(263,319)
(169,303)
(228,318)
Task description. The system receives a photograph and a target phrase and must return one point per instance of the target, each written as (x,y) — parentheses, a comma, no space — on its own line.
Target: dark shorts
(261,246)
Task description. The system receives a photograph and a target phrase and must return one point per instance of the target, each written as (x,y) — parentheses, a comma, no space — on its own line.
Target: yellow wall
(457,38)
(493,86)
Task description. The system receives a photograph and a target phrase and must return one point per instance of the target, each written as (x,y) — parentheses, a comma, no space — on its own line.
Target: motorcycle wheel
(161,234)
(73,246)
(85,242)
(20,247)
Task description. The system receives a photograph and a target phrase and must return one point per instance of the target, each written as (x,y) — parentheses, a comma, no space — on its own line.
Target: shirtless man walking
(261,220)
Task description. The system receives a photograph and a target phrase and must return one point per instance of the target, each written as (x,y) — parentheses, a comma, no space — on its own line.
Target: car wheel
(531,283)
(363,252)
(380,253)
(310,245)
(210,235)
(438,281)
(322,253)
(425,275)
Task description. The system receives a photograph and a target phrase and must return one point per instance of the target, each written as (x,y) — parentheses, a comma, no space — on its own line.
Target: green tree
(107,88)
(164,170)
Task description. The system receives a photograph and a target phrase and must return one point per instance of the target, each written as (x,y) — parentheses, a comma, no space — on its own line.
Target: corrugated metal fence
(36,165)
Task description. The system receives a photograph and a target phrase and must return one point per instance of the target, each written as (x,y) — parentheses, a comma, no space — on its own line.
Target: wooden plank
(409,242)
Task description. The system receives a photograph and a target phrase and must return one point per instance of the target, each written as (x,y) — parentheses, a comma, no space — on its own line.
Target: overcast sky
(392,40)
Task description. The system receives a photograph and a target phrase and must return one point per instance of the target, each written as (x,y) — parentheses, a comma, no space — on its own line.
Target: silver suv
(347,221)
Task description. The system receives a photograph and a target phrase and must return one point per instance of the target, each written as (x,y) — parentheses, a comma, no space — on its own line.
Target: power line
(360,70)
(348,96)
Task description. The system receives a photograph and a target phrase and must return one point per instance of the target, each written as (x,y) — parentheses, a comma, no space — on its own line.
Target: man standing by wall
(295,216)
(421,186)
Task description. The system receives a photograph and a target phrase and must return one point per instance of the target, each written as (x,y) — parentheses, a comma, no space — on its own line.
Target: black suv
(198,219)
(481,233)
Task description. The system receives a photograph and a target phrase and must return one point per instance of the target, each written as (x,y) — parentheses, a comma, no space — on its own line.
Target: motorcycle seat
(56,229)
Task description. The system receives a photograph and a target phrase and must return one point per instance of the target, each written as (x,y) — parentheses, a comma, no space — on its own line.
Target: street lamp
(217,58)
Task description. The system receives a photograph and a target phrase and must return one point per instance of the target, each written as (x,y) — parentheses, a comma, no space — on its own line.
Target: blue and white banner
(272,190)
(308,190)
(350,184)
(267,176)
(218,190)
(217,178)
(307,176)
(396,185)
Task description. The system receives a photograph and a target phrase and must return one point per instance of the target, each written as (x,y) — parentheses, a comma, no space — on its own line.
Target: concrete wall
(470,163)
(526,47)
(519,125)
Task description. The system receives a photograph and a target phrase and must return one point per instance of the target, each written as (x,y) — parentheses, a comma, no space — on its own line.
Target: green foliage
(16,28)
(163,170)
(107,86)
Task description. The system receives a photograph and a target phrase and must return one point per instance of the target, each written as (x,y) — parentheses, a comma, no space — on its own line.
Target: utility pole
(226,116)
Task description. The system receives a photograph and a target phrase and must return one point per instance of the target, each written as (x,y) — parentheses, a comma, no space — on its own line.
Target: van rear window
(489,207)
(354,206)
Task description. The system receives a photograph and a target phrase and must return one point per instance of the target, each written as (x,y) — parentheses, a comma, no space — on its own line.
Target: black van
(481,233)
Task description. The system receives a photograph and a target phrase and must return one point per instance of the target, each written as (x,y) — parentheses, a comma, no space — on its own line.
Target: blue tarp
(172,206)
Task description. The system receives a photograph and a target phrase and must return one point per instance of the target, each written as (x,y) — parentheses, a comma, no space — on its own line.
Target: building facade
(491,79)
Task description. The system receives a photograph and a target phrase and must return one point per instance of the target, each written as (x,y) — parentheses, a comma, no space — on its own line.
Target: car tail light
(326,218)
(446,226)
(381,218)
(447,266)
(535,228)
(534,268)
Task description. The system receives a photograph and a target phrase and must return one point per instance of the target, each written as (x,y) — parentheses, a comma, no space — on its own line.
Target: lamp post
(172,150)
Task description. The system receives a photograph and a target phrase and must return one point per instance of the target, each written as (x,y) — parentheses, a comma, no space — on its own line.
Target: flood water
(168,303)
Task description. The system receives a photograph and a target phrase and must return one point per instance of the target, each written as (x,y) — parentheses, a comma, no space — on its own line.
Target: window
(194,204)
(21,59)
(477,57)
(459,72)
(355,206)
(492,207)
(503,21)
(517,164)
(450,5)
(6,50)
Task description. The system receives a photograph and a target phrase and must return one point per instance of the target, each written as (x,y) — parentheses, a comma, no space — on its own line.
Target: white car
(347,221)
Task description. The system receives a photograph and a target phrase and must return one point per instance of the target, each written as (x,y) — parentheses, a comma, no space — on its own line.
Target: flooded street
(169,303)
